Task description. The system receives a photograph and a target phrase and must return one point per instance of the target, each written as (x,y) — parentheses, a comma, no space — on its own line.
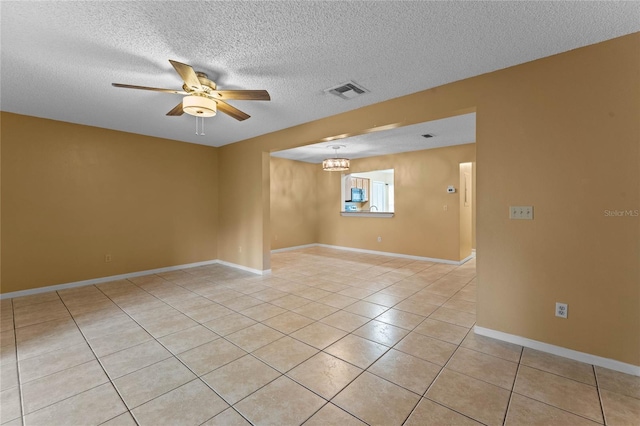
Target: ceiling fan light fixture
(199,106)
(336,164)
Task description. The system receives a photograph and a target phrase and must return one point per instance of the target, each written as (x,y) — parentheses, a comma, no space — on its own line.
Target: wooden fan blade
(188,74)
(232,111)
(245,95)
(155,89)
(177,110)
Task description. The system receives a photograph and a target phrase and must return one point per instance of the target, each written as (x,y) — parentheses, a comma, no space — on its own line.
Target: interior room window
(368,191)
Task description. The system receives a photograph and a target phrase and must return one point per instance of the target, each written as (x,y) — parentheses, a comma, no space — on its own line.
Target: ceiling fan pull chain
(201,126)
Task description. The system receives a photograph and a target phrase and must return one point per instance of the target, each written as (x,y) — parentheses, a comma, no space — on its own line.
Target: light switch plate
(521,212)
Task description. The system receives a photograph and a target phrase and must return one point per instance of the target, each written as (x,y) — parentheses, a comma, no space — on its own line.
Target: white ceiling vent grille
(348,90)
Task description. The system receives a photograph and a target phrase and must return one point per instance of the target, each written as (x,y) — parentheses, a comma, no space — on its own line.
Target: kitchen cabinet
(347,188)
(355,182)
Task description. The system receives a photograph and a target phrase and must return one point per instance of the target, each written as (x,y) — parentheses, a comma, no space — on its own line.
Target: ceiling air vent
(348,90)
(428,135)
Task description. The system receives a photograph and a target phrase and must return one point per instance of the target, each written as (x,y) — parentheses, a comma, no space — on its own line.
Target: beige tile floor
(329,338)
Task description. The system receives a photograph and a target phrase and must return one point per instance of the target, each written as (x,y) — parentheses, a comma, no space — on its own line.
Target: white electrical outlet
(562,310)
(521,212)
(379,239)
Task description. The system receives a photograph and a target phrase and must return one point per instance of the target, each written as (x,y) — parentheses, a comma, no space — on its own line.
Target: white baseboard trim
(101,280)
(245,268)
(611,364)
(466,259)
(304,246)
(383,253)
(404,256)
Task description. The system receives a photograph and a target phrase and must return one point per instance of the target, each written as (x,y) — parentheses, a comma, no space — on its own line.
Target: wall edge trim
(382,253)
(466,259)
(611,364)
(101,280)
(280,250)
(401,255)
(245,268)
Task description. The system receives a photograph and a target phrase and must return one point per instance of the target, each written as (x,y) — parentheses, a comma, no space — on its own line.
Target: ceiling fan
(202,97)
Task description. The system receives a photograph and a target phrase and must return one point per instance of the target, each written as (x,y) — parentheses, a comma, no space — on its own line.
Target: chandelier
(335,164)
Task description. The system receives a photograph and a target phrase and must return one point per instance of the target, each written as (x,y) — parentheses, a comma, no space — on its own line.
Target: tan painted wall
(293,203)
(420,226)
(244,230)
(570,120)
(563,134)
(71,194)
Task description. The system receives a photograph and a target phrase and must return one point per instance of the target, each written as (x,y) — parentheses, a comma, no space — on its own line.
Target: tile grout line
(322,350)
(197,377)
(64,369)
(429,316)
(475,378)
(110,381)
(326,402)
(391,347)
(23,413)
(388,308)
(329,401)
(156,339)
(555,406)
(15,344)
(595,374)
(424,395)
(232,406)
(513,386)
(562,376)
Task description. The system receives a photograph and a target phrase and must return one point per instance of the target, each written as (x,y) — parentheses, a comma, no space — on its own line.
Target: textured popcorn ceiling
(451,131)
(58,59)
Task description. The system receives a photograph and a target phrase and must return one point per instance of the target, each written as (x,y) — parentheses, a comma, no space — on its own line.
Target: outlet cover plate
(562,310)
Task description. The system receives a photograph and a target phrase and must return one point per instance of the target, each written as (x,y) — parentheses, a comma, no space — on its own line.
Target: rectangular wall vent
(348,90)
